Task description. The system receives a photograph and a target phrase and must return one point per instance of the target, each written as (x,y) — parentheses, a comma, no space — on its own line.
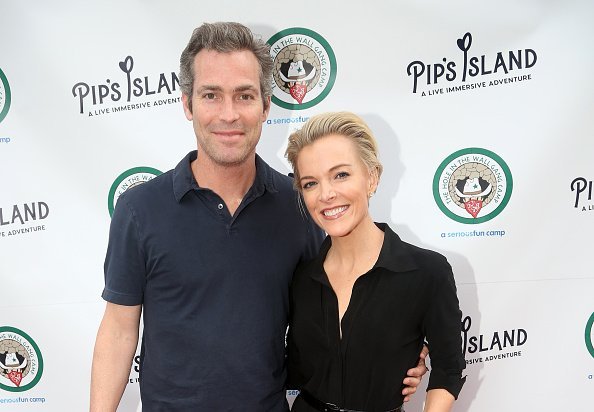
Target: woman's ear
(373,181)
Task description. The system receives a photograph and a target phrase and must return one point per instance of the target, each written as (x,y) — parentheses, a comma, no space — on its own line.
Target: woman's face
(335,184)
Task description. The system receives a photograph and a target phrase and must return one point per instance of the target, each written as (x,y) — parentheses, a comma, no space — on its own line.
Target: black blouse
(408,296)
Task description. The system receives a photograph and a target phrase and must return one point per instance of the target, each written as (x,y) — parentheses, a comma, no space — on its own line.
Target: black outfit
(407,296)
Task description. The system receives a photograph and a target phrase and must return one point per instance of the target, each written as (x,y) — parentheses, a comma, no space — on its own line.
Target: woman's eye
(342,175)
(308,185)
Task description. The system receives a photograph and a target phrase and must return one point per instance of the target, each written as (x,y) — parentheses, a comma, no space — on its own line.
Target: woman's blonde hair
(345,124)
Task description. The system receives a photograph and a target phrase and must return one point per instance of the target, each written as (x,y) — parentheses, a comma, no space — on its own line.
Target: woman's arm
(438,400)
(442,327)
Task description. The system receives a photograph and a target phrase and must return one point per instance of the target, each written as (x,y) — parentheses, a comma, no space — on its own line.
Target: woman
(361,310)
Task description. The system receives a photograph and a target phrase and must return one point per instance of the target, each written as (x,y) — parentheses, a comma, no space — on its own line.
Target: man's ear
(266,109)
(187,103)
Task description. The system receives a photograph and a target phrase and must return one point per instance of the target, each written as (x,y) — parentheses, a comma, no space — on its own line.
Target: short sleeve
(442,327)
(124,268)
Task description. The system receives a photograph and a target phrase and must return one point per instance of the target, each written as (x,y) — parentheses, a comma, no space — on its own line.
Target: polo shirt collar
(184,182)
(394,256)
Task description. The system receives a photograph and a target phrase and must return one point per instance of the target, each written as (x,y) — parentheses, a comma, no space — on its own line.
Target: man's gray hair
(225,37)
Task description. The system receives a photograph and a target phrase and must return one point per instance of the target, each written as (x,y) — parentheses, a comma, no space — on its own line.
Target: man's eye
(246,97)
(208,96)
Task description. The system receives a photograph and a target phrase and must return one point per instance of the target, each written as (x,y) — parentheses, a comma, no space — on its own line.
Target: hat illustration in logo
(296,70)
(474,191)
(304,68)
(297,75)
(13,364)
(21,363)
(472,185)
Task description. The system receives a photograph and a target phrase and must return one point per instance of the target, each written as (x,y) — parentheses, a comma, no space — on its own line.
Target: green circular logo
(129,178)
(472,185)
(21,363)
(4,96)
(588,335)
(304,68)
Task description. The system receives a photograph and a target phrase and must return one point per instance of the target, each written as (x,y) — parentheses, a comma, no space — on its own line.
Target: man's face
(227,108)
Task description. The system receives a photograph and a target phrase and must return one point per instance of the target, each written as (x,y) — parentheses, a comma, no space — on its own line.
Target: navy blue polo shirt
(214,287)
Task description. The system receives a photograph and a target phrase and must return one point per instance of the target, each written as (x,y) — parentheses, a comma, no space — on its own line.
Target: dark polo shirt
(214,288)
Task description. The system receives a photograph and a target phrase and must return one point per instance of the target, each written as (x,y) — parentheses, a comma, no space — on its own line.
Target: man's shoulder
(149,192)
(281,181)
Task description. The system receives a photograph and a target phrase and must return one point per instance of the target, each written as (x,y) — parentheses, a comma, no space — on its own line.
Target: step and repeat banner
(484,113)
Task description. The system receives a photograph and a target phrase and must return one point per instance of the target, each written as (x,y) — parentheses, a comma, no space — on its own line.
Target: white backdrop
(523,266)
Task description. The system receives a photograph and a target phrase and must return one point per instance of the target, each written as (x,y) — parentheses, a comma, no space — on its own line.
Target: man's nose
(229,112)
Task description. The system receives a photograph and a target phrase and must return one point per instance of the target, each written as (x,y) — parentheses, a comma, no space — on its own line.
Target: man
(206,251)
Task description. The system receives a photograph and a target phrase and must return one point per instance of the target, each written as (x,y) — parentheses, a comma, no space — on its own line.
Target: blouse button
(220,206)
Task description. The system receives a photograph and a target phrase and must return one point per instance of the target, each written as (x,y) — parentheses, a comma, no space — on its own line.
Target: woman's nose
(327,193)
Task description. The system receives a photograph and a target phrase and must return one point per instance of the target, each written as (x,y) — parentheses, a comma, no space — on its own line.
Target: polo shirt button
(220,206)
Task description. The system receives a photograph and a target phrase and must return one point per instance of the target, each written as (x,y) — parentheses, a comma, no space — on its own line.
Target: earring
(371,194)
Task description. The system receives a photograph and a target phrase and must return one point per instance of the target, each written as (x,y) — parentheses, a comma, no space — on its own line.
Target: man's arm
(439,400)
(115,346)
(414,375)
